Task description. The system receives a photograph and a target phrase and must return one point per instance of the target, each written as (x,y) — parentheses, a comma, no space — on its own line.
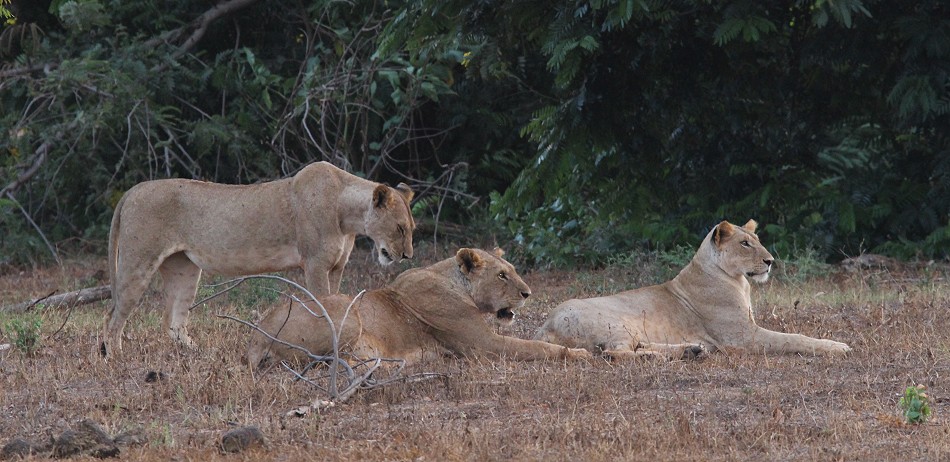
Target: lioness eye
(502,275)
(746,244)
(402,231)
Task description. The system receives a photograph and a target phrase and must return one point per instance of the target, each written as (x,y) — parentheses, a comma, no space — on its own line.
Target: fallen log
(74,298)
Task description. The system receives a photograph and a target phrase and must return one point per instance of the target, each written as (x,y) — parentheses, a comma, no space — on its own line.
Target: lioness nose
(406,257)
(767,262)
(525,294)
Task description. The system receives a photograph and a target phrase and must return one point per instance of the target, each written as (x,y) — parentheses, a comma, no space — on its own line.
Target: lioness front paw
(577,353)
(182,338)
(839,348)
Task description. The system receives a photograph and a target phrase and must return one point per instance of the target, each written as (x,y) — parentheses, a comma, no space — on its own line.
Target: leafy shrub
(24,332)
(915,404)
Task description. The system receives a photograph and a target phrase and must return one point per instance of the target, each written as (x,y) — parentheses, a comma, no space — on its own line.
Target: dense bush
(593,127)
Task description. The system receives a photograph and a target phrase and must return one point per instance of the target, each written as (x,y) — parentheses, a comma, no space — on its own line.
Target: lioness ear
(381,196)
(468,260)
(499,252)
(406,191)
(750,226)
(723,231)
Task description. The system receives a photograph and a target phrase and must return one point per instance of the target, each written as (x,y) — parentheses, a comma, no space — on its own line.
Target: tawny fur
(706,307)
(439,309)
(181,228)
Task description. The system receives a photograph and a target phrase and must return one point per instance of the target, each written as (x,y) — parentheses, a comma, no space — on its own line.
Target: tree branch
(206,19)
(16,71)
(199,27)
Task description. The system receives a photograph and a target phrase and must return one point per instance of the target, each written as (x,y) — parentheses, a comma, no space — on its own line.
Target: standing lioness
(183,227)
(706,306)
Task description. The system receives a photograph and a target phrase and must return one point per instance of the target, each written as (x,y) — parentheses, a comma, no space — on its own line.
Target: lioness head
(389,224)
(496,286)
(740,252)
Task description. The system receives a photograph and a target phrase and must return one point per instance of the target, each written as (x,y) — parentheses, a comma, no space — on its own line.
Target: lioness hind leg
(634,355)
(180,276)
(128,285)
(658,351)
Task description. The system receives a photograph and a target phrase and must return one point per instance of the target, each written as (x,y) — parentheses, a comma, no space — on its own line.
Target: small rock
(134,437)
(87,438)
(154,376)
(17,449)
(241,439)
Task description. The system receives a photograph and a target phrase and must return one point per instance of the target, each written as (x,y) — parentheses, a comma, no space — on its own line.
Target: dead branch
(74,298)
(198,27)
(354,381)
(202,22)
(335,359)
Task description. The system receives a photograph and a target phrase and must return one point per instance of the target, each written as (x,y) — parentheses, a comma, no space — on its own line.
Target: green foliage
(667,123)
(262,93)
(842,10)
(83,15)
(915,404)
(255,293)
(594,127)
(5,14)
(24,332)
(802,265)
(750,29)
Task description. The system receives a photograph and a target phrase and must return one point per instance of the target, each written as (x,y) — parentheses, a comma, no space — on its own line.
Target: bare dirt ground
(724,407)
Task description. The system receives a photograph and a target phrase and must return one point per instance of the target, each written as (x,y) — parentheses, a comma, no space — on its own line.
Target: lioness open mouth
(505,314)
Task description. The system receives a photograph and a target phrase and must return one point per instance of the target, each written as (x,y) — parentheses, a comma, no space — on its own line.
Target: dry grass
(722,408)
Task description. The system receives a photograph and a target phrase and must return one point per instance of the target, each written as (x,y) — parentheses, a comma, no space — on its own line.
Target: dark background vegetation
(568,130)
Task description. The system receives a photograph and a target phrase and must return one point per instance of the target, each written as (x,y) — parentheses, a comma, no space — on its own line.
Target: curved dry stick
(334,337)
(354,382)
(313,357)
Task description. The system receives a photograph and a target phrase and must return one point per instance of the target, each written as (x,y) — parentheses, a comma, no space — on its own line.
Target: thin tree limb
(39,231)
(16,71)
(199,26)
(39,157)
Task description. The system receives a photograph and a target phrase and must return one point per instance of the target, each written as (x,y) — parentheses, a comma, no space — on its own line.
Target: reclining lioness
(424,312)
(183,227)
(704,308)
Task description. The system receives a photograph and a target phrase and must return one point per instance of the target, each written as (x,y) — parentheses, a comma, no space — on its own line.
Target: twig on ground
(65,320)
